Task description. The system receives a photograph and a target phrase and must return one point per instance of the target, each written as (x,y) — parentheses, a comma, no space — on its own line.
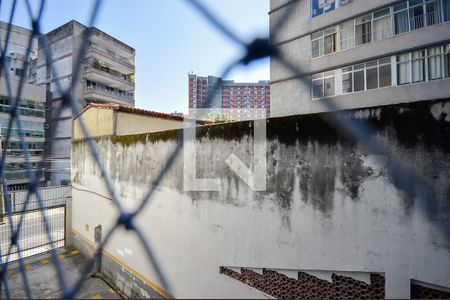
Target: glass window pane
(372,63)
(447,65)
(317,48)
(418,70)
(346,34)
(403,73)
(317,89)
(347,82)
(347,69)
(359,81)
(433,15)
(382,12)
(401,22)
(364,19)
(329,44)
(403,57)
(435,67)
(330,30)
(372,78)
(416,17)
(385,76)
(382,28)
(329,87)
(415,2)
(363,33)
(317,76)
(386,60)
(329,73)
(360,66)
(316,35)
(400,6)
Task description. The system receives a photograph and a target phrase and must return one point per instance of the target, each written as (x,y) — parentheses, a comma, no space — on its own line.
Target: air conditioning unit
(345,2)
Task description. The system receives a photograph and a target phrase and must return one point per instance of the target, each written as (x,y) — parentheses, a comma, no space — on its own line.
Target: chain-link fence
(15,221)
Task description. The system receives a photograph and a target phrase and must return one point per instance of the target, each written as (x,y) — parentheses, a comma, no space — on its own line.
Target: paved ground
(44,283)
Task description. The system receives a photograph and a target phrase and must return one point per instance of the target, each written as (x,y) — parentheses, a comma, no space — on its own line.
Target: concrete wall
(293,39)
(331,203)
(99,122)
(128,123)
(107,122)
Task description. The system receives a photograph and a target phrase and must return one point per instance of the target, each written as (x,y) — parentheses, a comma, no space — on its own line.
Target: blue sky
(171,39)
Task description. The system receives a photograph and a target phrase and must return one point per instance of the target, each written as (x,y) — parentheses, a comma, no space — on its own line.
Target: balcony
(25,132)
(24,111)
(22,174)
(100,94)
(109,77)
(428,19)
(110,58)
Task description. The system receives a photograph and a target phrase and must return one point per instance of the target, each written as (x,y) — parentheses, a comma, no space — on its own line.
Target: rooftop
(42,278)
(134,110)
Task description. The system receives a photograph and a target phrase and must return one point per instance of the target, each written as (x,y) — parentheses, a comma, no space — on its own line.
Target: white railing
(427,19)
(113,57)
(124,96)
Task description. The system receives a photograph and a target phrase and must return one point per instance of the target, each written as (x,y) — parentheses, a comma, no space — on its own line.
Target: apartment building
(238,100)
(359,53)
(106,76)
(32,108)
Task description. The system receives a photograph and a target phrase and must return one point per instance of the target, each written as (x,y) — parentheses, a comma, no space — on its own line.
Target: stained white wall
(308,219)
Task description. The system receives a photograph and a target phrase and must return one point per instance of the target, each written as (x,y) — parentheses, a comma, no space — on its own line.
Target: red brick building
(240,100)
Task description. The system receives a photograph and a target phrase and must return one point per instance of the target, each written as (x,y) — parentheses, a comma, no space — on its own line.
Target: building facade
(32,108)
(106,76)
(239,100)
(353,54)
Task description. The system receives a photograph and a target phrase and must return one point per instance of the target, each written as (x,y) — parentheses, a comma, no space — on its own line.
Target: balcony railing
(24,111)
(25,132)
(114,74)
(22,174)
(112,56)
(18,152)
(121,95)
(427,19)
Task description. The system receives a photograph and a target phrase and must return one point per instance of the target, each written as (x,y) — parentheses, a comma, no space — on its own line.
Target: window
(416,14)
(19,72)
(329,40)
(447,61)
(323,42)
(372,75)
(446,10)
(367,76)
(363,30)
(347,80)
(433,15)
(434,63)
(382,24)
(358,81)
(401,23)
(385,72)
(346,34)
(323,85)
(403,68)
(417,66)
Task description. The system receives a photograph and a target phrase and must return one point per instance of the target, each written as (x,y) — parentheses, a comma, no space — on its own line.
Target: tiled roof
(133,110)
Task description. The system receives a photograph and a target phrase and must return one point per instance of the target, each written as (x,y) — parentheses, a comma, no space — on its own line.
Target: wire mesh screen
(19,210)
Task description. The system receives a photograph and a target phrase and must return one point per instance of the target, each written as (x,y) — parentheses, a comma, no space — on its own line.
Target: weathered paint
(330,204)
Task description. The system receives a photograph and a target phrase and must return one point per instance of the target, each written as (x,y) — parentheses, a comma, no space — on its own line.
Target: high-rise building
(239,100)
(31,107)
(106,76)
(359,53)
